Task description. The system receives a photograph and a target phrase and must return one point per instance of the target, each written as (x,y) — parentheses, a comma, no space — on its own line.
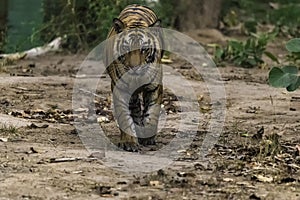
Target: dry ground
(248,162)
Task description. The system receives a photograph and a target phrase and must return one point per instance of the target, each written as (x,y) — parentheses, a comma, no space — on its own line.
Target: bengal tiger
(133,63)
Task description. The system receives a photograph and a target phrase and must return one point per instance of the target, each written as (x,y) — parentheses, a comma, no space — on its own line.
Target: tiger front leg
(128,139)
(152,97)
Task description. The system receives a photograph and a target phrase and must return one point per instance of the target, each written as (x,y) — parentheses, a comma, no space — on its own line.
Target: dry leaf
(3,139)
(154,183)
(264,179)
(228,179)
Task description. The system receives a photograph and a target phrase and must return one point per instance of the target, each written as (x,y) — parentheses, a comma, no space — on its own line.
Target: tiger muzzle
(135,59)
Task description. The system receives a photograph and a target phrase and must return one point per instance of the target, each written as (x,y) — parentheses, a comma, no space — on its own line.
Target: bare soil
(256,156)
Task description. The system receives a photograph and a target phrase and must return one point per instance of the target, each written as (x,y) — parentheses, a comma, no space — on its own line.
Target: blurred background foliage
(283,15)
(85,23)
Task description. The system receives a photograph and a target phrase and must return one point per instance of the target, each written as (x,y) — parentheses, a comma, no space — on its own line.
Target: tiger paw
(129,146)
(147,141)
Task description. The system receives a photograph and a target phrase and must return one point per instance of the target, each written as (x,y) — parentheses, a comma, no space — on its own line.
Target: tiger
(133,60)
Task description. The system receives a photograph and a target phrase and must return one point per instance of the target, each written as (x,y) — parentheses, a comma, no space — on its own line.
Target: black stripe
(147,11)
(144,17)
(141,9)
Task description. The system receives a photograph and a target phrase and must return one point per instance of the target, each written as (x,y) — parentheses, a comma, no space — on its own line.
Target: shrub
(245,53)
(84,24)
(287,76)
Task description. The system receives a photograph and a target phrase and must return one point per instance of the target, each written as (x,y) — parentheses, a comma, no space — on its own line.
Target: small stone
(103,119)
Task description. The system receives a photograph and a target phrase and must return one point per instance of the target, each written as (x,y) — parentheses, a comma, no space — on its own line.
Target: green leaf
(271,56)
(235,45)
(290,69)
(294,86)
(282,77)
(252,62)
(219,53)
(247,45)
(254,35)
(293,45)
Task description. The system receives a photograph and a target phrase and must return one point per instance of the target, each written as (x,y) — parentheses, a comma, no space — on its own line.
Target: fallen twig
(92,93)
(58,160)
(34,52)
(83,76)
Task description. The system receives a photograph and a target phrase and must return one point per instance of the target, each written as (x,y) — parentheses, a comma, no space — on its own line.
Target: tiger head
(137,46)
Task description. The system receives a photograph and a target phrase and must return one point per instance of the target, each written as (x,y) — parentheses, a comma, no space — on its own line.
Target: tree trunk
(197,14)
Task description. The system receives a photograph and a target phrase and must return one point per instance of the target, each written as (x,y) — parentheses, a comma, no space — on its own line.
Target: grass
(10,129)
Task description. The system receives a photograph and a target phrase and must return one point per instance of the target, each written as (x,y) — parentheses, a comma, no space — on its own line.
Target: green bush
(287,76)
(284,14)
(84,24)
(166,10)
(246,53)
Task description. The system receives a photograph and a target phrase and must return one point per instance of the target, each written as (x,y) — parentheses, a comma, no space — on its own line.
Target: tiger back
(133,55)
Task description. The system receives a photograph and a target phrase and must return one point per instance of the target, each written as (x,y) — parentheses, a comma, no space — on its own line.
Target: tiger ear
(156,24)
(118,25)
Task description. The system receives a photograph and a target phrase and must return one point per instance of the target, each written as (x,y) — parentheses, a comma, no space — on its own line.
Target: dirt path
(36,128)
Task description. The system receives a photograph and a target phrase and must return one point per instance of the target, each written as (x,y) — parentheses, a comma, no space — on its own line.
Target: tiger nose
(135,58)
